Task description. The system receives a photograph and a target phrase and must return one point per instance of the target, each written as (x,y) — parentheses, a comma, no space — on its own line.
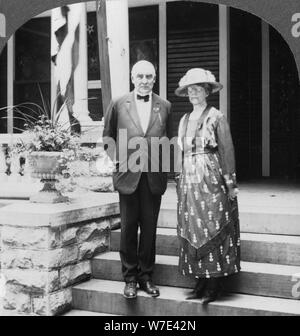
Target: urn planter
(47,167)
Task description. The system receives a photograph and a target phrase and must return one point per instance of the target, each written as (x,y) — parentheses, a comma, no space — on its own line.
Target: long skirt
(208,221)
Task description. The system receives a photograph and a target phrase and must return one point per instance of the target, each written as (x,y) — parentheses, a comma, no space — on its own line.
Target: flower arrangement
(44,135)
(42,132)
(81,167)
(48,145)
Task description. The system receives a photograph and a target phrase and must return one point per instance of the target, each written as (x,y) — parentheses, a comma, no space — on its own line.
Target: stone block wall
(41,262)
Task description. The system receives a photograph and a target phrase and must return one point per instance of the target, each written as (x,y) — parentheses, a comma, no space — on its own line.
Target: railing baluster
(2,163)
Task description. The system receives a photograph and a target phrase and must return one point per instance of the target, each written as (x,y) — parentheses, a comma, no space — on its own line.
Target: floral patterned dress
(208,223)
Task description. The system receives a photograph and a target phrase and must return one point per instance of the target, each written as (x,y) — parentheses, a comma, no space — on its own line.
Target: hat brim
(182,90)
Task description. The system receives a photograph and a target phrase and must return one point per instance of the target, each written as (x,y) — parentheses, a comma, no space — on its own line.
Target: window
(143,37)
(32,66)
(94,85)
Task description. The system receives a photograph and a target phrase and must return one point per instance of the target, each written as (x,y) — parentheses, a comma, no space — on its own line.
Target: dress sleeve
(226,152)
(169,125)
(179,148)
(180,131)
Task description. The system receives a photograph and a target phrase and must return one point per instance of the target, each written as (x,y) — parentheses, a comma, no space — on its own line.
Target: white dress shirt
(143,110)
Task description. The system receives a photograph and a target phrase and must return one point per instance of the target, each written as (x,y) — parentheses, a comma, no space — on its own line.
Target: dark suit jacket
(122,115)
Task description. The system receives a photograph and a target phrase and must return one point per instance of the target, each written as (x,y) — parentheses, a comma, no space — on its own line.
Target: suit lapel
(155,110)
(132,111)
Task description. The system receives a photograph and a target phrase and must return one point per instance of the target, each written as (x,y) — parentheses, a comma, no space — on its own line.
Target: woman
(208,224)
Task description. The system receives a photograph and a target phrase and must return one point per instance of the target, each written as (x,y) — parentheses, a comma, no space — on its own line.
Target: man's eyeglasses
(147,76)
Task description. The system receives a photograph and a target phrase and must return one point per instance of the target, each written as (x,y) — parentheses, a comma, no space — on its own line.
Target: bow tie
(144,98)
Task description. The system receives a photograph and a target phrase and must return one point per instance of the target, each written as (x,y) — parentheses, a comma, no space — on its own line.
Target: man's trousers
(139,209)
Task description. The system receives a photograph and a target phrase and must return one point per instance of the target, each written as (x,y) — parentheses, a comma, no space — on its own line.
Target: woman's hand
(177,176)
(177,179)
(232,193)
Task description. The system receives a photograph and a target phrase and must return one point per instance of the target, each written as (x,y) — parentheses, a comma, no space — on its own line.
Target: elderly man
(141,115)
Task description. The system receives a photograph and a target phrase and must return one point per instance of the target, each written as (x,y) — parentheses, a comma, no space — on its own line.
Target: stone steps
(253,219)
(78,312)
(107,296)
(254,278)
(266,285)
(264,248)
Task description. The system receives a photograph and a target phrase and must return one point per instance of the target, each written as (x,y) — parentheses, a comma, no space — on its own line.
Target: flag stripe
(66,59)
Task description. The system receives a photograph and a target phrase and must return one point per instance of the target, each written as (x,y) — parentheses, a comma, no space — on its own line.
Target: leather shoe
(198,291)
(212,291)
(209,296)
(130,290)
(149,288)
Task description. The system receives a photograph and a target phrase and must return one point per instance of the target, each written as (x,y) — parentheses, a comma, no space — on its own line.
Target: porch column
(118,45)
(224,59)
(10,82)
(53,92)
(265,100)
(80,106)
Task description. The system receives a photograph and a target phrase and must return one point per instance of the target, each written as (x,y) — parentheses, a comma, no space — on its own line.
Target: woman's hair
(207,87)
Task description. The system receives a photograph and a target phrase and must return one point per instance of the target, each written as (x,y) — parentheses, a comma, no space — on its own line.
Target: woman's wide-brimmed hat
(197,76)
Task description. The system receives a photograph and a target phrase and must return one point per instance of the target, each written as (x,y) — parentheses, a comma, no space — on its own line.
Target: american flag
(65,56)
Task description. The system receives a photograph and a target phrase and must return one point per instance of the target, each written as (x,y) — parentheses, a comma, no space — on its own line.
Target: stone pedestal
(46,249)
(49,194)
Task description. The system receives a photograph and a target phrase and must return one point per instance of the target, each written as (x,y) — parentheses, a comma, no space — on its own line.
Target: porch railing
(13,168)
(16,181)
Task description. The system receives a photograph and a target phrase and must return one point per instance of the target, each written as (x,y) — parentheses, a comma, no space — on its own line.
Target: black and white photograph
(149,160)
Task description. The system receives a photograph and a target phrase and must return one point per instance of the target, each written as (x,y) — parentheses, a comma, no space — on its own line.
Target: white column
(53,88)
(265,100)
(2,163)
(10,82)
(163,50)
(118,45)
(224,59)
(80,106)
(53,85)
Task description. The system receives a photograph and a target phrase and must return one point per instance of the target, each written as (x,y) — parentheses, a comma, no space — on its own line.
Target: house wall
(245,93)
(192,40)
(284,110)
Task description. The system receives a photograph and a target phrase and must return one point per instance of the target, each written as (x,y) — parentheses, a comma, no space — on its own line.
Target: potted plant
(49,148)
(52,150)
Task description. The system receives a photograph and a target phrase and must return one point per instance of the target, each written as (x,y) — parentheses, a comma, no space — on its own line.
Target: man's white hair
(143,65)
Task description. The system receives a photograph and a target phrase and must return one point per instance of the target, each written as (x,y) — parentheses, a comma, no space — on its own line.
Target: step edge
(249,236)
(292,308)
(246,266)
(81,312)
(246,236)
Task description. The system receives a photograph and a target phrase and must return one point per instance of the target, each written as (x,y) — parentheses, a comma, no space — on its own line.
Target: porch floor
(266,196)
(277,196)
